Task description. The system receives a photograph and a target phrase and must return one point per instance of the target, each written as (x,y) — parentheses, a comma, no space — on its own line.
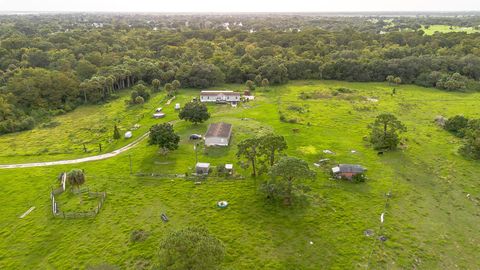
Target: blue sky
(239,5)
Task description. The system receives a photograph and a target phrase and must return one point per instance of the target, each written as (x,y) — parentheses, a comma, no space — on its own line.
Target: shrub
(138,236)
(296,108)
(191,248)
(359,178)
(344,90)
(139,100)
(457,125)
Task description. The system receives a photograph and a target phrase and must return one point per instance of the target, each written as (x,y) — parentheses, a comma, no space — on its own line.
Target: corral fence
(58,212)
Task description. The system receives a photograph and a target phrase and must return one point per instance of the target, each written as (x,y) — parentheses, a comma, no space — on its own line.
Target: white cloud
(239,5)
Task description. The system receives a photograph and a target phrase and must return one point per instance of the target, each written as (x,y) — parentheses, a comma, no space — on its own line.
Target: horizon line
(245,12)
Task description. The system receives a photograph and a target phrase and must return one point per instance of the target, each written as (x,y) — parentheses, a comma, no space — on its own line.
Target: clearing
(429,221)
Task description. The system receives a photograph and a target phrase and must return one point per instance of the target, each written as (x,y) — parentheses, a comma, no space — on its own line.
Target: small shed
(347,171)
(229,168)
(202,168)
(177,106)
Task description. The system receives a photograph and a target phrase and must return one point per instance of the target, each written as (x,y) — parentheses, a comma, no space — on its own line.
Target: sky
(239,5)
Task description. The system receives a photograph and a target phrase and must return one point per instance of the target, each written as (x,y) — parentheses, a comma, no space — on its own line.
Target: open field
(430,222)
(447,29)
(92,125)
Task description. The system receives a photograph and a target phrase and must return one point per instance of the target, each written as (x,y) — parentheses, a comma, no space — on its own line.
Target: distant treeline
(51,64)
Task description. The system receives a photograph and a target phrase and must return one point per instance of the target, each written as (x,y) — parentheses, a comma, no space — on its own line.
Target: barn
(218,134)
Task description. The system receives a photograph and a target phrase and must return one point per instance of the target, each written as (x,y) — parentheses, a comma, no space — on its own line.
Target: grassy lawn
(90,125)
(447,29)
(429,221)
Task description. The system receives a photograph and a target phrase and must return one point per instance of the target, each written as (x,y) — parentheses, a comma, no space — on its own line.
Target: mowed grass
(430,222)
(432,29)
(91,125)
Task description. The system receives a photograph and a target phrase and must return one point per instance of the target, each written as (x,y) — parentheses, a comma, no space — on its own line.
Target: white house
(218,134)
(219,96)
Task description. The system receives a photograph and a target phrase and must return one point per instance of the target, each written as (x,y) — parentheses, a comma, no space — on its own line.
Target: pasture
(430,223)
(432,29)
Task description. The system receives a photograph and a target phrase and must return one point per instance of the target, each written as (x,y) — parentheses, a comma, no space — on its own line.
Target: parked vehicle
(195,137)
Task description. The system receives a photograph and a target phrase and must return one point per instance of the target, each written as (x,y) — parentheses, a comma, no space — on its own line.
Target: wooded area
(52,63)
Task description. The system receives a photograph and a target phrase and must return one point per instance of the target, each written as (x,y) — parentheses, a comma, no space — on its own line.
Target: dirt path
(78,160)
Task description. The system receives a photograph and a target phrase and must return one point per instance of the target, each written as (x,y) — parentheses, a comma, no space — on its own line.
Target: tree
(169,89)
(116,133)
(76,178)
(200,75)
(471,146)
(390,79)
(191,248)
(457,125)
(6,108)
(284,176)
(397,80)
(452,82)
(142,91)
(385,130)
(176,84)
(275,71)
(258,80)
(270,145)
(250,85)
(195,112)
(37,58)
(139,100)
(265,82)
(164,136)
(133,95)
(249,149)
(85,70)
(156,84)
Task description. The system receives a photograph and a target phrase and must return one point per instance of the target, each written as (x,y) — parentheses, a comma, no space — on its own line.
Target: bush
(296,108)
(344,90)
(221,168)
(139,100)
(138,236)
(457,125)
(191,248)
(359,178)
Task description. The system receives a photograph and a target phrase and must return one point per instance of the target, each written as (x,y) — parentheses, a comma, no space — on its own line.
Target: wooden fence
(57,212)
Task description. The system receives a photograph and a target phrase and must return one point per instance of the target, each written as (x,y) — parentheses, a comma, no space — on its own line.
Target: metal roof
(202,165)
(348,168)
(216,93)
(221,129)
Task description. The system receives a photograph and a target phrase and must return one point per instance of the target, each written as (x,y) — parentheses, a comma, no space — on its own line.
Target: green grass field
(430,222)
(447,29)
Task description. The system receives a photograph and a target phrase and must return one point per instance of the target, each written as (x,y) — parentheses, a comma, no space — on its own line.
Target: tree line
(50,65)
